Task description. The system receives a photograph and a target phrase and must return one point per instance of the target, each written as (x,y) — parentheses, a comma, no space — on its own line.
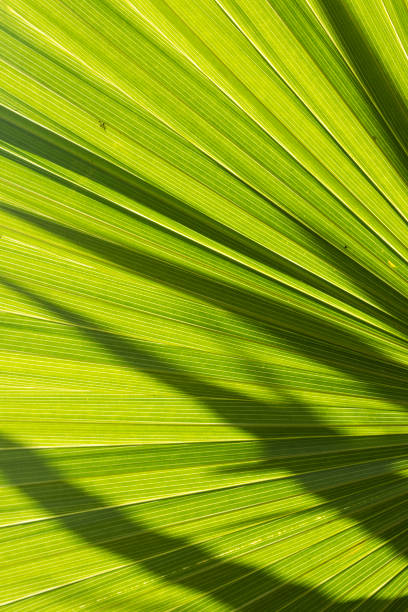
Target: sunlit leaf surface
(203,283)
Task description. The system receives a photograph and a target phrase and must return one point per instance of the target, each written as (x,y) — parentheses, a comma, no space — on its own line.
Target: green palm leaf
(204,289)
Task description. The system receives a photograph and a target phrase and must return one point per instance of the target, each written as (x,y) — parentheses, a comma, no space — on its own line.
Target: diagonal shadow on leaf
(340,349)
(138,356)
(382,376)
(133,541)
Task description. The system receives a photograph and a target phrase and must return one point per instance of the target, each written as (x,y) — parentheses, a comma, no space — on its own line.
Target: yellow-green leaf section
(203,283)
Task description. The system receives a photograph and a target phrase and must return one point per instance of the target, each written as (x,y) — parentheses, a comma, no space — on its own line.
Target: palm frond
(203,291)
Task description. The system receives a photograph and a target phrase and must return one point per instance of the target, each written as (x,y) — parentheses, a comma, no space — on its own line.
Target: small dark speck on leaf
(102,124)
